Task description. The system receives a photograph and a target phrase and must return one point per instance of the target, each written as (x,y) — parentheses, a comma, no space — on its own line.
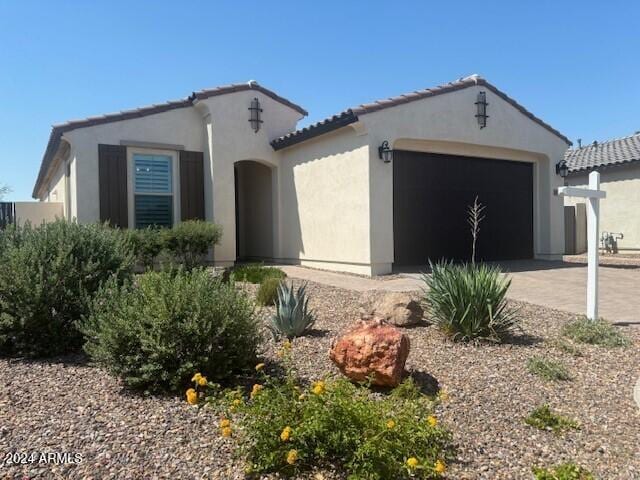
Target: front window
(153,190)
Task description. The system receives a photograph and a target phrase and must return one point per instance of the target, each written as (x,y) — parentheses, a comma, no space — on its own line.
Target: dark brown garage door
(431,193)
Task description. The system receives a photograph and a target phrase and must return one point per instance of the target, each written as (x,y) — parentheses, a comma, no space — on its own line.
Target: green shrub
(147,243)
(566,347)
(292,317)
(255,273)
(595,332)
(268,291)
(548,369)
(157,333)
(565,471)
(286,428)
(48,276)
(468,302)
(9,236)
(189,242)
(545,419)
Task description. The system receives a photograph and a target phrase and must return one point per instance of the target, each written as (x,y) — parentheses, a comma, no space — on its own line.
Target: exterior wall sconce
(254,115)
(562,169)
(385,153)
(481,107)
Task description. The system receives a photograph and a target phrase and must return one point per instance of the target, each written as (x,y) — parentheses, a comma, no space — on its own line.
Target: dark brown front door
(431,194)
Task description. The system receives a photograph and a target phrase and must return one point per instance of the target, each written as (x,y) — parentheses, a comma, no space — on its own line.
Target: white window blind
(153,190)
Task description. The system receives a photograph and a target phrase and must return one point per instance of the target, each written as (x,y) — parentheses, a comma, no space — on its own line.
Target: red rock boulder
(372,349)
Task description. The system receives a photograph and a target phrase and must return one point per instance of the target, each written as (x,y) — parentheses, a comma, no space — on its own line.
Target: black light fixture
(562,169)
(481,107)
(385,153)
(254,115)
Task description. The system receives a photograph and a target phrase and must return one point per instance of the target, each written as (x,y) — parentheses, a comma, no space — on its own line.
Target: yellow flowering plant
(200,387)
(289,427)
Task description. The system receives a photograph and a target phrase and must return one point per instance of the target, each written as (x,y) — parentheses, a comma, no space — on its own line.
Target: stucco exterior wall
(56,192)
(217,126)
(446,124)
(620,211)
(325,203)
(182,126)
(230,139)
(38,212)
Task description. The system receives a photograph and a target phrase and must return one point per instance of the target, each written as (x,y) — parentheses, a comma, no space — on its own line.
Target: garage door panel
(432,193)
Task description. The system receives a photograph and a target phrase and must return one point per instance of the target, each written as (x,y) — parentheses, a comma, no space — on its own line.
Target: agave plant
(292,317)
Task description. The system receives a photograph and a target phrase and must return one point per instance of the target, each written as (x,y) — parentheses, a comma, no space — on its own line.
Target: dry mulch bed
(69,406)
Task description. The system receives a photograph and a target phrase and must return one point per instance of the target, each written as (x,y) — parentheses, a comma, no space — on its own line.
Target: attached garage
(431,195)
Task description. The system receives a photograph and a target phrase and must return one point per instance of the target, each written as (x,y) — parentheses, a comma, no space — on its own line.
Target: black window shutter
(112,171)
(191,185)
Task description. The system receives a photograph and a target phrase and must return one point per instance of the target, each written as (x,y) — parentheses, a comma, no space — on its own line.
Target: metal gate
(7,214)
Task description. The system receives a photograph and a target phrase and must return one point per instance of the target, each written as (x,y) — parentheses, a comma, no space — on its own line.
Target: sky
(575,64)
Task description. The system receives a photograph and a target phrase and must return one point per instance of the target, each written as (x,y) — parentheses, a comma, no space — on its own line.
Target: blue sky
(572,63)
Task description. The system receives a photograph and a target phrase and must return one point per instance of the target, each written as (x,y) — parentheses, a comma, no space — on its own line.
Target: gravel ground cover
(69,406)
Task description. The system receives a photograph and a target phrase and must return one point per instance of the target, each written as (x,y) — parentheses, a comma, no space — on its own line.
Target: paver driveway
(556,285)
(564,286)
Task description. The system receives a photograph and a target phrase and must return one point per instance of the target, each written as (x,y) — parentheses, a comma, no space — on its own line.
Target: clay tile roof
(122,115)
(329,124)
(338,121)
(251,85)
(59,129)
(612,152)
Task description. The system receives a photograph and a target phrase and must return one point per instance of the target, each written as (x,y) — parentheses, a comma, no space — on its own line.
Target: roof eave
(49,154)
(602,166)
(203,94)
(321,127)
(329,125)
(524,111)
(191,100)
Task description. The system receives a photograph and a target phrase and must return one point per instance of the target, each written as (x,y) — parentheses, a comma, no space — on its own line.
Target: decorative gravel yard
(487,391)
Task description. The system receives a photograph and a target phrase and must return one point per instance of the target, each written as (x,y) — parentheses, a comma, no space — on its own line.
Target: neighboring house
(322,196)
(618,162)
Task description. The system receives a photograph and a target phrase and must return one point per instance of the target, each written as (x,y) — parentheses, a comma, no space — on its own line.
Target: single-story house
(618,162)
(380,185)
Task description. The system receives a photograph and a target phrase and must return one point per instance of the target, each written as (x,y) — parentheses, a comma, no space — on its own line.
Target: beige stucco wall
(177,127)
(38,212)
(229,139)
(56,191)
(620,211)
(324,185)
(446,124)
(61,189)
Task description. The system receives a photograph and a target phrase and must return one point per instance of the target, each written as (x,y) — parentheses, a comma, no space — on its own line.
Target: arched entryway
(254,210)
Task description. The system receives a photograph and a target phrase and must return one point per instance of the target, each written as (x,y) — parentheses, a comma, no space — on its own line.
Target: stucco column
(556,214)
(551,246)
(380,211)
(224,210)
(219,195)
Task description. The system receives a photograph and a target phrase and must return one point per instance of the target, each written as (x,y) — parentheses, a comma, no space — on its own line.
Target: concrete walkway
(353,282)
(553,284)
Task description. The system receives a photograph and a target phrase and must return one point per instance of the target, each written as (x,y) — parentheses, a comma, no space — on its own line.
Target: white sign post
(593,194)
